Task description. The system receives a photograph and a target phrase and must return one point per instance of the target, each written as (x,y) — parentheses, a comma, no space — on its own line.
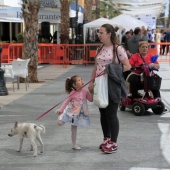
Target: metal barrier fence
(66,53)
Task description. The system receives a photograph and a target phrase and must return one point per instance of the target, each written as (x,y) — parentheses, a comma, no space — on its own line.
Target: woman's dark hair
(70,81)
(110,29)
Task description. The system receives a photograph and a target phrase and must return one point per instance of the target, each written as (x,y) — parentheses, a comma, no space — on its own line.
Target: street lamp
(3,90)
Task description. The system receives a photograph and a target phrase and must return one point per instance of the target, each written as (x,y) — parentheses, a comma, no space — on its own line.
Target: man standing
(125,38)
(132,44)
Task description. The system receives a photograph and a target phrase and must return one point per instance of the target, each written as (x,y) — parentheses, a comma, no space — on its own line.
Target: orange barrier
(65,53)
(75,54)
(58,55)
(80,53)
(152,51)
(92,50)
(4,54)
(45,53)
(14,52)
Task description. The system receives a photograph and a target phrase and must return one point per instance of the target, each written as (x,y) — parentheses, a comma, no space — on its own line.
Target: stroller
(151,81)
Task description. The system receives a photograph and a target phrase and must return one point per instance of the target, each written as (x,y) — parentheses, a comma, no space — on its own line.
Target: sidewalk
(46,73)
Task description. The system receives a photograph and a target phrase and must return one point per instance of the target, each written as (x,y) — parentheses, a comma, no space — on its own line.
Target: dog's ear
(16,124)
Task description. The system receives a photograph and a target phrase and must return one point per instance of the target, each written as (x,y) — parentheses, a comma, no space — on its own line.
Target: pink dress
(75,109)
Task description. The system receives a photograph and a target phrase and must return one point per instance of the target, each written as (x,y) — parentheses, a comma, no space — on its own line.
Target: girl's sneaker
(105,141)
(76,147)
(110,147)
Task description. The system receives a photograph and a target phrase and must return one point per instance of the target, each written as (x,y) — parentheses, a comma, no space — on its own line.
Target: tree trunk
(87,11)
(97,9)
(30,9)
(64,21)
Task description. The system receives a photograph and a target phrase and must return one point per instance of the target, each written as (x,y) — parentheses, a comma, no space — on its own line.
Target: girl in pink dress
(74,110)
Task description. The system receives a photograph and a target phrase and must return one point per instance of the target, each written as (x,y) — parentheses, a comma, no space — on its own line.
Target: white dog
(30,131)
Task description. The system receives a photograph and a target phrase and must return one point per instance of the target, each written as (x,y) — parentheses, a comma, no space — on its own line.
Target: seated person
(137,59)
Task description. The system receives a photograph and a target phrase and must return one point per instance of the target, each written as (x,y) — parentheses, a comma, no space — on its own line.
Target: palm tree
(87,11)
(108,10)
(97,9)
(64,21)
(30,9)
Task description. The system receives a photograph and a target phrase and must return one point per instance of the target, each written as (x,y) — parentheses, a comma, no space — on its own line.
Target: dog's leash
(100,74)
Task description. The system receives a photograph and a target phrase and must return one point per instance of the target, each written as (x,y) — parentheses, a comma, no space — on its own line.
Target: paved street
(143,142)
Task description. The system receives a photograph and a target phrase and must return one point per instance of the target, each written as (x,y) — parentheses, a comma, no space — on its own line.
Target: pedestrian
(163,40)
(135,77)
(125,38)
(108,116)
(153,38)
(132,45)
(74,110)
(158,40)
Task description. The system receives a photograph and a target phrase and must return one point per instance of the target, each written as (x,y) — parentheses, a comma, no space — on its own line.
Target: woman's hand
(154,66)
(151,65)
(91,87)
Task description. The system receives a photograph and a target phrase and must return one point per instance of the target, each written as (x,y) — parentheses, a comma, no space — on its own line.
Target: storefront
(11,20)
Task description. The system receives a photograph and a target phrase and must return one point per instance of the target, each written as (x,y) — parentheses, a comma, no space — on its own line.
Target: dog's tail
(40,128)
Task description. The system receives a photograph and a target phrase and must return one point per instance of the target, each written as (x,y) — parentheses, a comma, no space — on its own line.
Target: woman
(163,39)
(158,40)
(108,115)
(137,59)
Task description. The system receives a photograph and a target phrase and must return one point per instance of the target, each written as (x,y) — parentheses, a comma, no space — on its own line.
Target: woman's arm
(123,58)
(126,64)
(91,85)
(89,96)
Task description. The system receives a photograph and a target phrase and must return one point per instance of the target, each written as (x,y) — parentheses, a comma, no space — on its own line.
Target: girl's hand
(91,87)
(59,113)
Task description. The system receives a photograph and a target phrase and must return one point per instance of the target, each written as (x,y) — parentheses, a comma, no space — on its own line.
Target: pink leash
(100,74)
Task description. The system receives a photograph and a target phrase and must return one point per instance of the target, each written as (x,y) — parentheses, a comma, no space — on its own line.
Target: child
(75,110)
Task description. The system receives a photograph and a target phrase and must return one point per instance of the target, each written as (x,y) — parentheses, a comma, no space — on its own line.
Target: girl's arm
(66,102)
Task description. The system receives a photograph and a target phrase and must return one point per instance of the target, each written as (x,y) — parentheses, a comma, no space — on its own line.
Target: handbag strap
(114,56)
(98,50)
(142,59)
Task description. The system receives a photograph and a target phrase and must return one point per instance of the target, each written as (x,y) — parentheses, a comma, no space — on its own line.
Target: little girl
(75,110)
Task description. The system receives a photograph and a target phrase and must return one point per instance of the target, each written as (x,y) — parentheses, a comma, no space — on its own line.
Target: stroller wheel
(121,107)
(138,109)
(159,109)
